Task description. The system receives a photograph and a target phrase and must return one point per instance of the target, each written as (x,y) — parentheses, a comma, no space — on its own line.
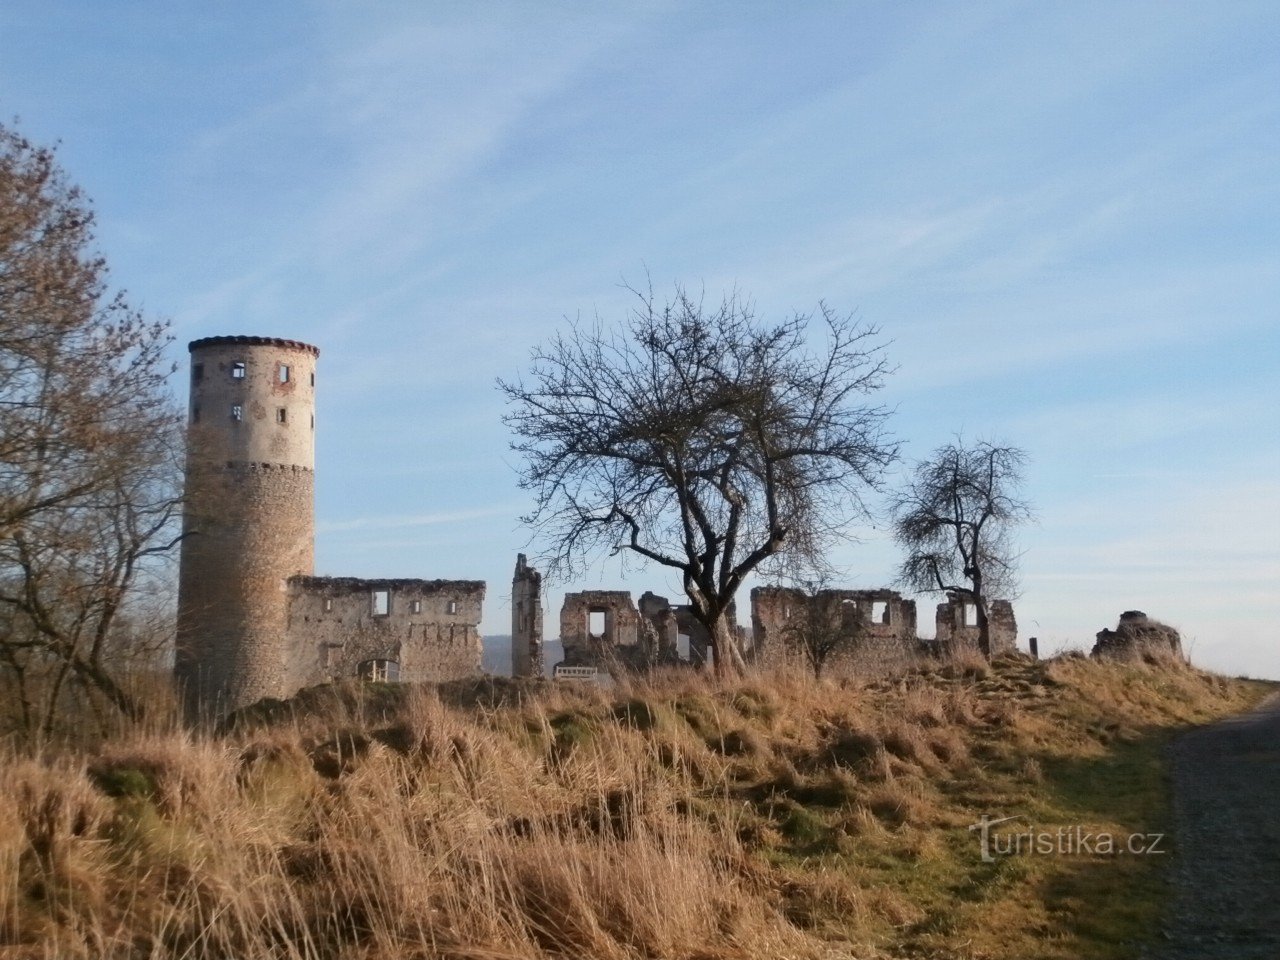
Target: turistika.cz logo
(1066,841)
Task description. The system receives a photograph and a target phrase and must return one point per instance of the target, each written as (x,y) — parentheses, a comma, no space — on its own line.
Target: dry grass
(669,817)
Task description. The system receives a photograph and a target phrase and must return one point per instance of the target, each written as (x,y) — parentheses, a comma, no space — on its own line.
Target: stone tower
(249,522)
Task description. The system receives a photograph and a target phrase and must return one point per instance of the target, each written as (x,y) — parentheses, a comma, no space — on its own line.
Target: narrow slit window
(282,415)
(283,372)
(451,607)
(197,372)
(313,379)
(328,604)
(381,603)
(415,606)
(237,370)
(237,412)
(313,421)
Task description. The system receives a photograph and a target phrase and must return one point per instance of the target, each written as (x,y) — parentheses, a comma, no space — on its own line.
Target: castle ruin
(253,619)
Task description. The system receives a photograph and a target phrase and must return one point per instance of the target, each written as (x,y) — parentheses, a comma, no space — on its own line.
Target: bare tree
(703,440)
(89,443)
(825,627)
(955,520)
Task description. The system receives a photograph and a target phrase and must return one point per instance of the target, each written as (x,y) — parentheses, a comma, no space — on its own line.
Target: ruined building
(526,620)
(253,620)
(859,625)
(867,626)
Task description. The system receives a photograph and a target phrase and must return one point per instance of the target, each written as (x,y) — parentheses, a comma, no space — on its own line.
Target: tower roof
(248,341)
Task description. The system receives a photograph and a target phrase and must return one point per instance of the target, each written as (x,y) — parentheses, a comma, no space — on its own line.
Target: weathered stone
(526,620)
(252,620)
(1138,637)
(956,624)
(865,625)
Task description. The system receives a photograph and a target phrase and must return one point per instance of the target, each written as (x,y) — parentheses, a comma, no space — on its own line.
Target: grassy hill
(671,817)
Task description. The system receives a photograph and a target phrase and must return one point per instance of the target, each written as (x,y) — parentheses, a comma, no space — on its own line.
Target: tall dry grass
(668,817)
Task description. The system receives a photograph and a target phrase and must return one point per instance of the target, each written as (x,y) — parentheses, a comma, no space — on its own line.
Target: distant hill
(497,654)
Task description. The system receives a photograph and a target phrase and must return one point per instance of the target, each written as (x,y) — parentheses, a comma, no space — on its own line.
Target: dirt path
(1226,783)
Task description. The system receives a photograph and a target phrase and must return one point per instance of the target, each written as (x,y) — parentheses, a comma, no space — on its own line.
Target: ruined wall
(430,628)
(618,636)
(864,627)
(1138,637)
(956,623)
(526,621)
(249,520)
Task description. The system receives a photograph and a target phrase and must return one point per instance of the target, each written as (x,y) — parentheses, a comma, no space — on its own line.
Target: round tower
(249,522)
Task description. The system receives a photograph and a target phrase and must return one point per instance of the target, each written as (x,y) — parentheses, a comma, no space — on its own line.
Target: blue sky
(1063,216)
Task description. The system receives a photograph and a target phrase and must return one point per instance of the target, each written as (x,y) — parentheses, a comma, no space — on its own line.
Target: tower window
(237,412)
(237,370)
(328,604)
(381,603)
(197,372)
(283,372)
(415,606)
(313,421)
(282,415)
(313,379)
(451,607)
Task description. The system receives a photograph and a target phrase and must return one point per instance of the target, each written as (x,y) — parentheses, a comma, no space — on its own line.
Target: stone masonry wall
(866,626)
(956,624)
(430,628)
(621,626)
(526,620)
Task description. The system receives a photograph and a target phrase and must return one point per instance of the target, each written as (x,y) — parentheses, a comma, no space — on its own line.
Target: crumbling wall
(618,635)
(630,637)
(1138,637)
(956,623)
(863,627)
(339,626)
(526,621)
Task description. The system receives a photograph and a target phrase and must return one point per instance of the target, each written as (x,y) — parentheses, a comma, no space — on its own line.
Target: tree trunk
(729,660)
(984,627)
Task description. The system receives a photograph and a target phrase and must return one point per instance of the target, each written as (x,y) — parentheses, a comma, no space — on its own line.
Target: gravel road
(1226,787)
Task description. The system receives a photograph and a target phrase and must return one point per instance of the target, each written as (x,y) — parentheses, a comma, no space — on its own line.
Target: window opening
(381,603)
(237,412)
(880,611)
(970,614)
(595,623)
(283,372)
(415,606)
(197,372)
(237,370)
(328,604)
(379,671)
(313,379)
(282,415)
(451,607)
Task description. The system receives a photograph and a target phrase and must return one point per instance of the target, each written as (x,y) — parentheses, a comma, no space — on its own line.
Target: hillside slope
(772,817)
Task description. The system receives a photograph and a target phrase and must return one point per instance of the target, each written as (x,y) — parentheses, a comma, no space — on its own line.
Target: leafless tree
(703,440)
(824,628)
(955,521)
(89,443)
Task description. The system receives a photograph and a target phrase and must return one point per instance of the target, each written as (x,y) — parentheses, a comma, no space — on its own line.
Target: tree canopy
(88,440)
(955,521)
(702,439)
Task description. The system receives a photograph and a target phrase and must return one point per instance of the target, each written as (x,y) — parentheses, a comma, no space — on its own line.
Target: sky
(1063,218)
